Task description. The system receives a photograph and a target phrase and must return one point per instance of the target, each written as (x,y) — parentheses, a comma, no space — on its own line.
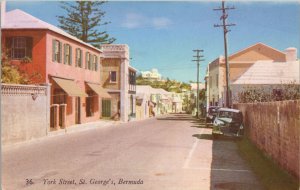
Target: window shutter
(86,60)
(29,47)
(70,63)
(80,61)
(92,63)
(8,46)
(65,48)
(76,57)
(96,63)
(53,50)
(60,53)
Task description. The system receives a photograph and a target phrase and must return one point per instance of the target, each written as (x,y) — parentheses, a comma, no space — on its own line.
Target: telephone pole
(197,60)
(225,31)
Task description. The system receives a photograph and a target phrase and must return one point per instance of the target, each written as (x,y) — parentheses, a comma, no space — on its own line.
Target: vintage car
(212,113)
(228,122)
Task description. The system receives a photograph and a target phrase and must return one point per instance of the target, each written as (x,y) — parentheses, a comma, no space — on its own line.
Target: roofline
(259,43)
(132,68)
(217,59)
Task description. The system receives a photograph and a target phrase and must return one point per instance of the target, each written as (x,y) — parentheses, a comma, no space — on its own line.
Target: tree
(11,74)
(83,19)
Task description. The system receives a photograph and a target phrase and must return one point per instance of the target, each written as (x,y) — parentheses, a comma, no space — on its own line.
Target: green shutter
(70,55)
(8,46)
(86,60)
(53,50)
(80,62)
(65,59)
(76,56)
(92,63)
(29,47)
(60,53)
(96,63)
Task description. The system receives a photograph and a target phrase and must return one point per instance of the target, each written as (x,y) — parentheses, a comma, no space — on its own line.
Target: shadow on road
(179,117)
(228,169)
(220,138)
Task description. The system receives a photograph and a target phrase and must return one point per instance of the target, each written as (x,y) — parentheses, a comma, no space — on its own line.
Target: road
(173,152)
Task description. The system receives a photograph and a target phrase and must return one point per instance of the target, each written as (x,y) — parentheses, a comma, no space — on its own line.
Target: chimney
(3,11)
(291,54)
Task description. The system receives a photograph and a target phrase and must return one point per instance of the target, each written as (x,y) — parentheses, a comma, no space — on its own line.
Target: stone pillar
(124,90)
(48,96)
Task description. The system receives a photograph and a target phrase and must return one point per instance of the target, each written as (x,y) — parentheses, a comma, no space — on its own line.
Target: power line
(224,24)
(197,60)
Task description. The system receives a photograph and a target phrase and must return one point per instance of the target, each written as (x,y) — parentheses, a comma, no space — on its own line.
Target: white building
(267,76)
(152,75)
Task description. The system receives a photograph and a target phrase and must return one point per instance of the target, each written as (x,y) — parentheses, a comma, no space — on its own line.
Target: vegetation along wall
(274,128)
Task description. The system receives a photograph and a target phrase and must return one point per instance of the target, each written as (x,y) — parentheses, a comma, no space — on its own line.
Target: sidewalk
(84,126)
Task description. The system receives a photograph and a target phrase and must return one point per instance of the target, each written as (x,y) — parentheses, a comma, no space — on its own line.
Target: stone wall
(274,128)
(24,112)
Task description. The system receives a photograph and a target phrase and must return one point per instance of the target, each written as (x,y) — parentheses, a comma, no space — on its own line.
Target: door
(77,110)
(106,108)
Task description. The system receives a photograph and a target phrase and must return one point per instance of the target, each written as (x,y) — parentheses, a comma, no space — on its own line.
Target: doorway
(77,110)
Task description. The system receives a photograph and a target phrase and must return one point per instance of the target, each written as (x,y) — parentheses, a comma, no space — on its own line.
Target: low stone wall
(274,127)
(24,112)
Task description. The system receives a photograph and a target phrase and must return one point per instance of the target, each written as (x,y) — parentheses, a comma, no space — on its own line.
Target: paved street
(171,152)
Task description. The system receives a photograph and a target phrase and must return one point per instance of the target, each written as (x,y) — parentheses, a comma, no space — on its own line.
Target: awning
(70,87)
(99,90)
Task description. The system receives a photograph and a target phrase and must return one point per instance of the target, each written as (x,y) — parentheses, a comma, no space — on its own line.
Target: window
(56,51)
(59,97)
(210,82)
(95,64)
(89,104)
(217,80)
(78,61)
(67,54)
(113,76)
(132,78)
(88,60)
(19,47)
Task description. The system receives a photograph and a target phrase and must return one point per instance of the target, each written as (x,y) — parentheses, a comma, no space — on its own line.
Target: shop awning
(99,90)
(70,87)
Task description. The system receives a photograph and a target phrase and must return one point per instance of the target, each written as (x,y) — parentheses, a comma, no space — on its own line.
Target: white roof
(162,91)
(262,72)
(144,89)
(149,90)
(18,19)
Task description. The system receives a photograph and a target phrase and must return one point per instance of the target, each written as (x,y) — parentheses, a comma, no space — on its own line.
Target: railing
(23,90)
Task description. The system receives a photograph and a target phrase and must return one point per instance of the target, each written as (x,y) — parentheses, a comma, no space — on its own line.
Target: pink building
(54,56)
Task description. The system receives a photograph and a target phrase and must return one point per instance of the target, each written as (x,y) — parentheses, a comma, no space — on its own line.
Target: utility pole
(225,30)
(198,59)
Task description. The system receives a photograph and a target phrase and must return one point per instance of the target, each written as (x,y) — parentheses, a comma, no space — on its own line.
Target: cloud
(134,20)
(161,22)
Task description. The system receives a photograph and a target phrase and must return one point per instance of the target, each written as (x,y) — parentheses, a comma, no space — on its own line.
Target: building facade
(152,75)
(239,63)
(118,78)
(52,56)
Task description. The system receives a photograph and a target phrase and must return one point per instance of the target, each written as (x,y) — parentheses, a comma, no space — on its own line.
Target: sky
(163,34)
